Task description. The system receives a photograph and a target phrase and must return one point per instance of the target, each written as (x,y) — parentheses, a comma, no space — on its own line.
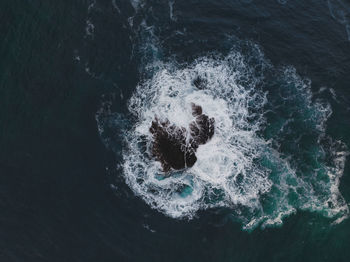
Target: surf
(246,166)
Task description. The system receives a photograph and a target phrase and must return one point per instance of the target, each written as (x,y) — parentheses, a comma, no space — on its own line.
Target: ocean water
(81,82)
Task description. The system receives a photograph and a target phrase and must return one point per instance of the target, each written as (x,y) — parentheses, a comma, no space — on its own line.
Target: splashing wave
(269,155)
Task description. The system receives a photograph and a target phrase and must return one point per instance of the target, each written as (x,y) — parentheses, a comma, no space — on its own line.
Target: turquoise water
(75,89)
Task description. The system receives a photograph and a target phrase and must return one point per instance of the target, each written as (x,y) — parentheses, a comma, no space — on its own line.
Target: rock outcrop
(175,147)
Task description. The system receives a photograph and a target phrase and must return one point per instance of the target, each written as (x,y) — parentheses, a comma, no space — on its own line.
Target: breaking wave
(269,157)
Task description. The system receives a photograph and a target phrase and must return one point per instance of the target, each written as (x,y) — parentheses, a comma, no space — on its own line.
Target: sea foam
(256,164)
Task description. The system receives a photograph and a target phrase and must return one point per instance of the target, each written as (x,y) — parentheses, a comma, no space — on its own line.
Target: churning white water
(238,168)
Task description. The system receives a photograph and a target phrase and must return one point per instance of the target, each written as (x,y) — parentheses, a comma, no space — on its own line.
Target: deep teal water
(56,198)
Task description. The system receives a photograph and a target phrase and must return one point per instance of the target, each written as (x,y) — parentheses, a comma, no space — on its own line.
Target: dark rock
(202,129)
(170,147)
(196,110)
(174,146)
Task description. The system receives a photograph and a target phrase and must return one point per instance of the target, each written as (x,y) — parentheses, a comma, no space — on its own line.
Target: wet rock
(202,129)
(175,147)
(196,110)
(170,147)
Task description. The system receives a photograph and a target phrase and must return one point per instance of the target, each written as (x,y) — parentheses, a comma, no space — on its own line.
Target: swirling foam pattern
(257,164)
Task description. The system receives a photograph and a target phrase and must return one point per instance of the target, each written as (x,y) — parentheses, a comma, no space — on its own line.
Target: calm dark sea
(63,191)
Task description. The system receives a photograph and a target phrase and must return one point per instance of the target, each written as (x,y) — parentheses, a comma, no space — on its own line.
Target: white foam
(229,170)
(238,168)
(231,152)
(171,10)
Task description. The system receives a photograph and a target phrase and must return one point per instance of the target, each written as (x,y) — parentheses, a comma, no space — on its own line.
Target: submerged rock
(175,147)
(199,82)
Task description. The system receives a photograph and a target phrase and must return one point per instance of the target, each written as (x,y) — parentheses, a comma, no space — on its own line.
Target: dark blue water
(70,68)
